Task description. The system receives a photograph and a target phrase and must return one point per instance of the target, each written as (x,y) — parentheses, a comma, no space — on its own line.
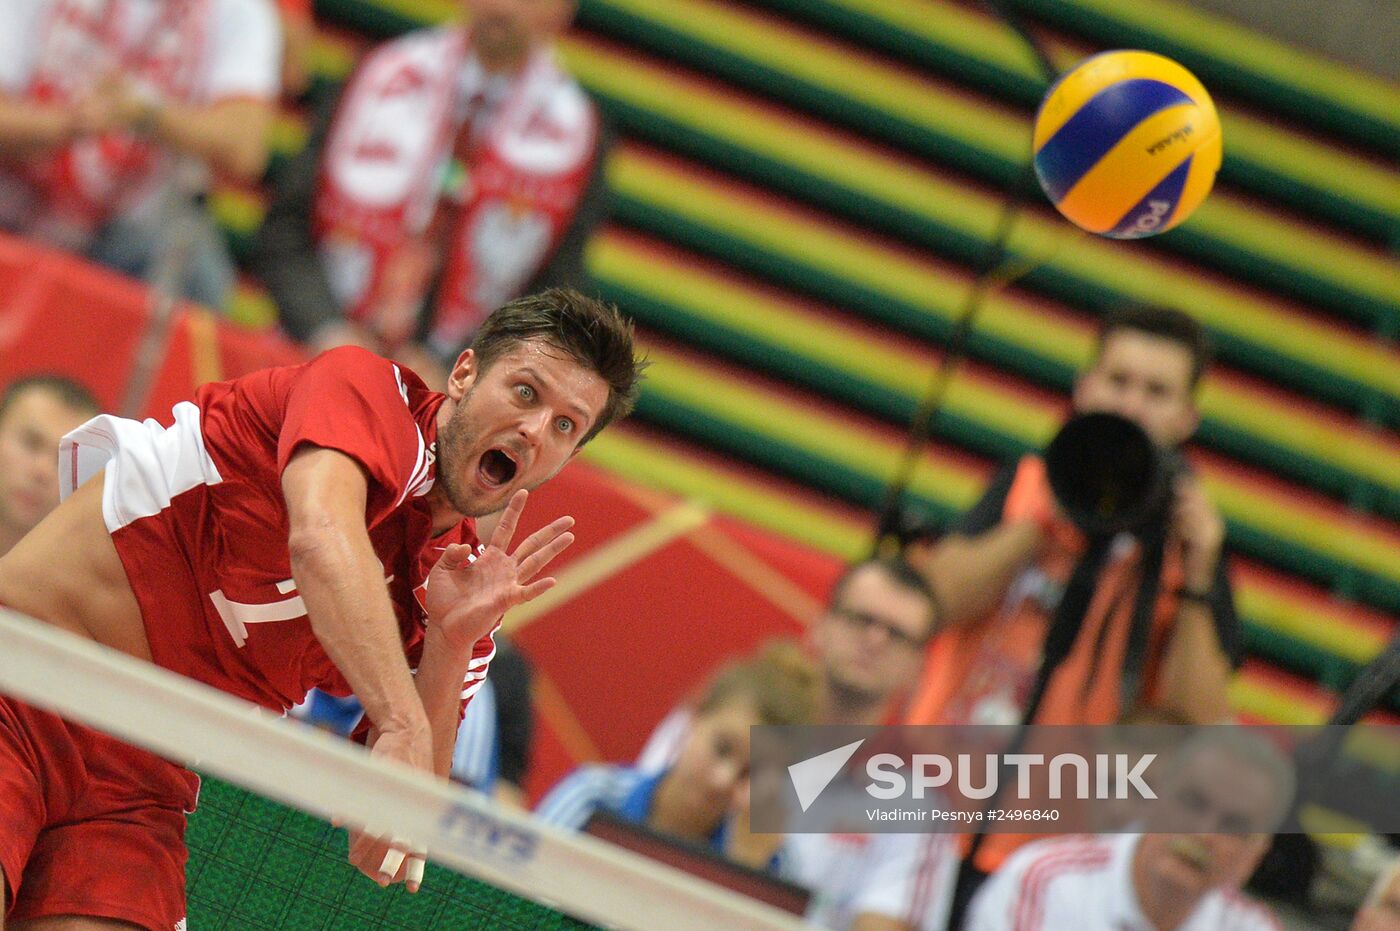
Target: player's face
(29,433)
(514,425)
(713,765)
(870,641)
(1145,379)
(503,30)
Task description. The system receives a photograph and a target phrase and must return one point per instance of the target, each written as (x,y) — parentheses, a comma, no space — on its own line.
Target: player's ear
(462,376)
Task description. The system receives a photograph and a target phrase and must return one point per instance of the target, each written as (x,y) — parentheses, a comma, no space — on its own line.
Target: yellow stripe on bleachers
(1335,352)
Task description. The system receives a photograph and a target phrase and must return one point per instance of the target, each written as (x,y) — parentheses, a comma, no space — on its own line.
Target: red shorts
(89,825)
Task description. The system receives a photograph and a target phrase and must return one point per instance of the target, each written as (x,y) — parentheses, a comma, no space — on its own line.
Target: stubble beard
(454,448)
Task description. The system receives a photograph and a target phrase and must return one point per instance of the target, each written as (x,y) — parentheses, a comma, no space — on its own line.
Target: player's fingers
(531,566)
(393,862)
(456,556)
(389,868)
(416,864)
(544,535)
(536,589)
(505,529)
(367,854)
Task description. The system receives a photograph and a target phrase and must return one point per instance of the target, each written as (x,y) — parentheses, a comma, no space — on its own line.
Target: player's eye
(526,392)
(564,425)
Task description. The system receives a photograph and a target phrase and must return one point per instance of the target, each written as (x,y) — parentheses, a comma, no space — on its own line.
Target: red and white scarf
(399,123)
(85,182)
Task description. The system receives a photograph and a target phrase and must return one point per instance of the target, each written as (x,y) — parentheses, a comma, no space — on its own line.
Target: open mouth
(497,467)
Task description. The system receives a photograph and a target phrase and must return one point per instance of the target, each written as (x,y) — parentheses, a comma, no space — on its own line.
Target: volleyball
(1127,144)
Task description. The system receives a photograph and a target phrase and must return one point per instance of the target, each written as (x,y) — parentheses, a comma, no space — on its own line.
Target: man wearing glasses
(869,648)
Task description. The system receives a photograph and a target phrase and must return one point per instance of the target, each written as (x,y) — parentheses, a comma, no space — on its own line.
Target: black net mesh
(255,864)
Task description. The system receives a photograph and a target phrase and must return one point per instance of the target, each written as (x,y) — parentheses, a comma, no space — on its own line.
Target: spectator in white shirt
(1227,791)
(869,645)
(100,103)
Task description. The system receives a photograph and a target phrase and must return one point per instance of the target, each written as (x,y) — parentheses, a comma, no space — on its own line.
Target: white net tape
(328,777)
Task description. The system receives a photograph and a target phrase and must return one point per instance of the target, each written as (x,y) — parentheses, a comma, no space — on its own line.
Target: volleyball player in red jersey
(299,527)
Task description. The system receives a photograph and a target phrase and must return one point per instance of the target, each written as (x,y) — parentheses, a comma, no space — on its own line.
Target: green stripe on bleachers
(981,51)
(721,126)
(707,309)
(1330,653)
(1312,89)
(841,457)
(907,291)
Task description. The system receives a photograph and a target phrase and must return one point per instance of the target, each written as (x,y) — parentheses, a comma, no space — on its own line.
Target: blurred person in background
(1381,910)
(35,413)
(869,646)
(1226,791)
(114,112)
(493,744)
(456,169)
(695,799)
(1000,571)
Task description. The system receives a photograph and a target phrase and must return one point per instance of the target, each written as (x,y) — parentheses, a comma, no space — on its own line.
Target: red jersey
(198,517)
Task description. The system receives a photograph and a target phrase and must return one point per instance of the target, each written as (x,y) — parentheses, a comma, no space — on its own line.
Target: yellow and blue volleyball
(1127,144)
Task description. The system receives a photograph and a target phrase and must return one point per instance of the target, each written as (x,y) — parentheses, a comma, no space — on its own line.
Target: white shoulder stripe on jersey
(147,464)
(421,467)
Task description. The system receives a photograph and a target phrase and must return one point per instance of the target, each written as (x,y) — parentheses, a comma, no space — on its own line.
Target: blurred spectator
(493,743)
(695,798)
(869,645)
(1227,790)
(1002,569)
(112,114)
(35,413)
(1381,910)
(435,186)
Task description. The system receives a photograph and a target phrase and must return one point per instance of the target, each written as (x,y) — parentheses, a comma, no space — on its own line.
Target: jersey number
(237,616)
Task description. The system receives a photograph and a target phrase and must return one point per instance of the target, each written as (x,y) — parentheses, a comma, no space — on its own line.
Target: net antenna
(895,522)
(300,766)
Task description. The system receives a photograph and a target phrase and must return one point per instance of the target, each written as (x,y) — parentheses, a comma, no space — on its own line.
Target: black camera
(1108,476)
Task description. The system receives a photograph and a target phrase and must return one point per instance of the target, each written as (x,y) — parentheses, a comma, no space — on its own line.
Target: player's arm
(340,579)
(465,601)
(441,673)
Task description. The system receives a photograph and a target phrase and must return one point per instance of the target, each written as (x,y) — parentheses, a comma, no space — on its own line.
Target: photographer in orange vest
(1165,646)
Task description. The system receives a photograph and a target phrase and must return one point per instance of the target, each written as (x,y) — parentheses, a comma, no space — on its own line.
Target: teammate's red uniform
(198,518)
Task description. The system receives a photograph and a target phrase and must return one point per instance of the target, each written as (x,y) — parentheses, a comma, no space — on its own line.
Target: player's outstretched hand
(389,860)
(465,598)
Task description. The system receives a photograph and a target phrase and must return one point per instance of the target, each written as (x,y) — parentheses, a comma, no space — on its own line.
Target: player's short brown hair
(594,333)
(1164,323)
